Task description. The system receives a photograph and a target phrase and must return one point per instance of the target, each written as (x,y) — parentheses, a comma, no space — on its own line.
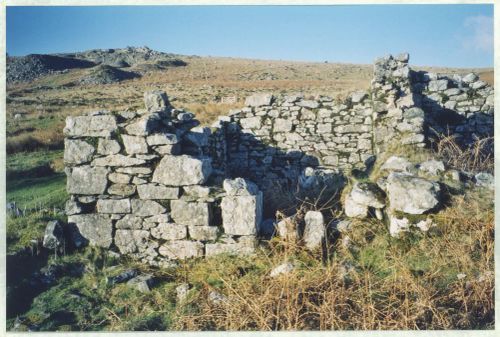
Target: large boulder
(96,228)
(412,195)
(87,180)
(182,170)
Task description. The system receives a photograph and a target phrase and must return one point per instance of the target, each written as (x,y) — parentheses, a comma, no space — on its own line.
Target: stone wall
(155,185)
(147,183)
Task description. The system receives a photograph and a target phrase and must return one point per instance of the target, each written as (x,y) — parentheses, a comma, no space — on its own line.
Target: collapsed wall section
(145,184)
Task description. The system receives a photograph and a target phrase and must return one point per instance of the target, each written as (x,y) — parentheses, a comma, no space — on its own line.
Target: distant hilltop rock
(104,74)
(30,67)
(125,57)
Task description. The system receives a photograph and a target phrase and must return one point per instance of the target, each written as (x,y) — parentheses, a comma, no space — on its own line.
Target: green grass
(38,192)
(32,181)
(25,161)
(33,185)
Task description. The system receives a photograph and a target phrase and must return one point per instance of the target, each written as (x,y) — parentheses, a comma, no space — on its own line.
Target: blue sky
(440,35)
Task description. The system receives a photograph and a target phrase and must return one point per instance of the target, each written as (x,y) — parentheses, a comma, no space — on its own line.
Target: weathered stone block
(182,170)
(308,104)
(203,233)
(145,125)
(259,100)
(282,125)
(77,151)
(181,249)
(131,241)
(411,194)
(123,190)
(108,146)
(251,123)
(72,207)
(113,206)
(162,139)
(191,213)
(438,85)
(156,100)
(152,191)
(169,231)
(119,178)
(135,144)
(240,186)
(146,207)
(90,126)
(87,180)
(129,221)
(117,160)
(96,228)
(314,230)
(241,215)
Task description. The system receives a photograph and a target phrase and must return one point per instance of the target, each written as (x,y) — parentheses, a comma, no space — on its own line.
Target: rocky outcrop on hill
(104,74)
(30,67)
(129,56)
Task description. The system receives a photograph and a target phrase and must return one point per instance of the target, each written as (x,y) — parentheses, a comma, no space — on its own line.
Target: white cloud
(479,36)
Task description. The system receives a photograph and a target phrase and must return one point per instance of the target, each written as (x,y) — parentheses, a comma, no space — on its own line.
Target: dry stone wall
(156,185)
(145,183)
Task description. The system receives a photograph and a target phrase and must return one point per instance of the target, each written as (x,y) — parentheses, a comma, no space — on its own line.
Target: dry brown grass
(473,158)
(208,113)
(393,284)
(39,139)
(488,76)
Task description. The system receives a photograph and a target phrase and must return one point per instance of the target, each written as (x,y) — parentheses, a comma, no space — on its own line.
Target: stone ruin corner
(155,185)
